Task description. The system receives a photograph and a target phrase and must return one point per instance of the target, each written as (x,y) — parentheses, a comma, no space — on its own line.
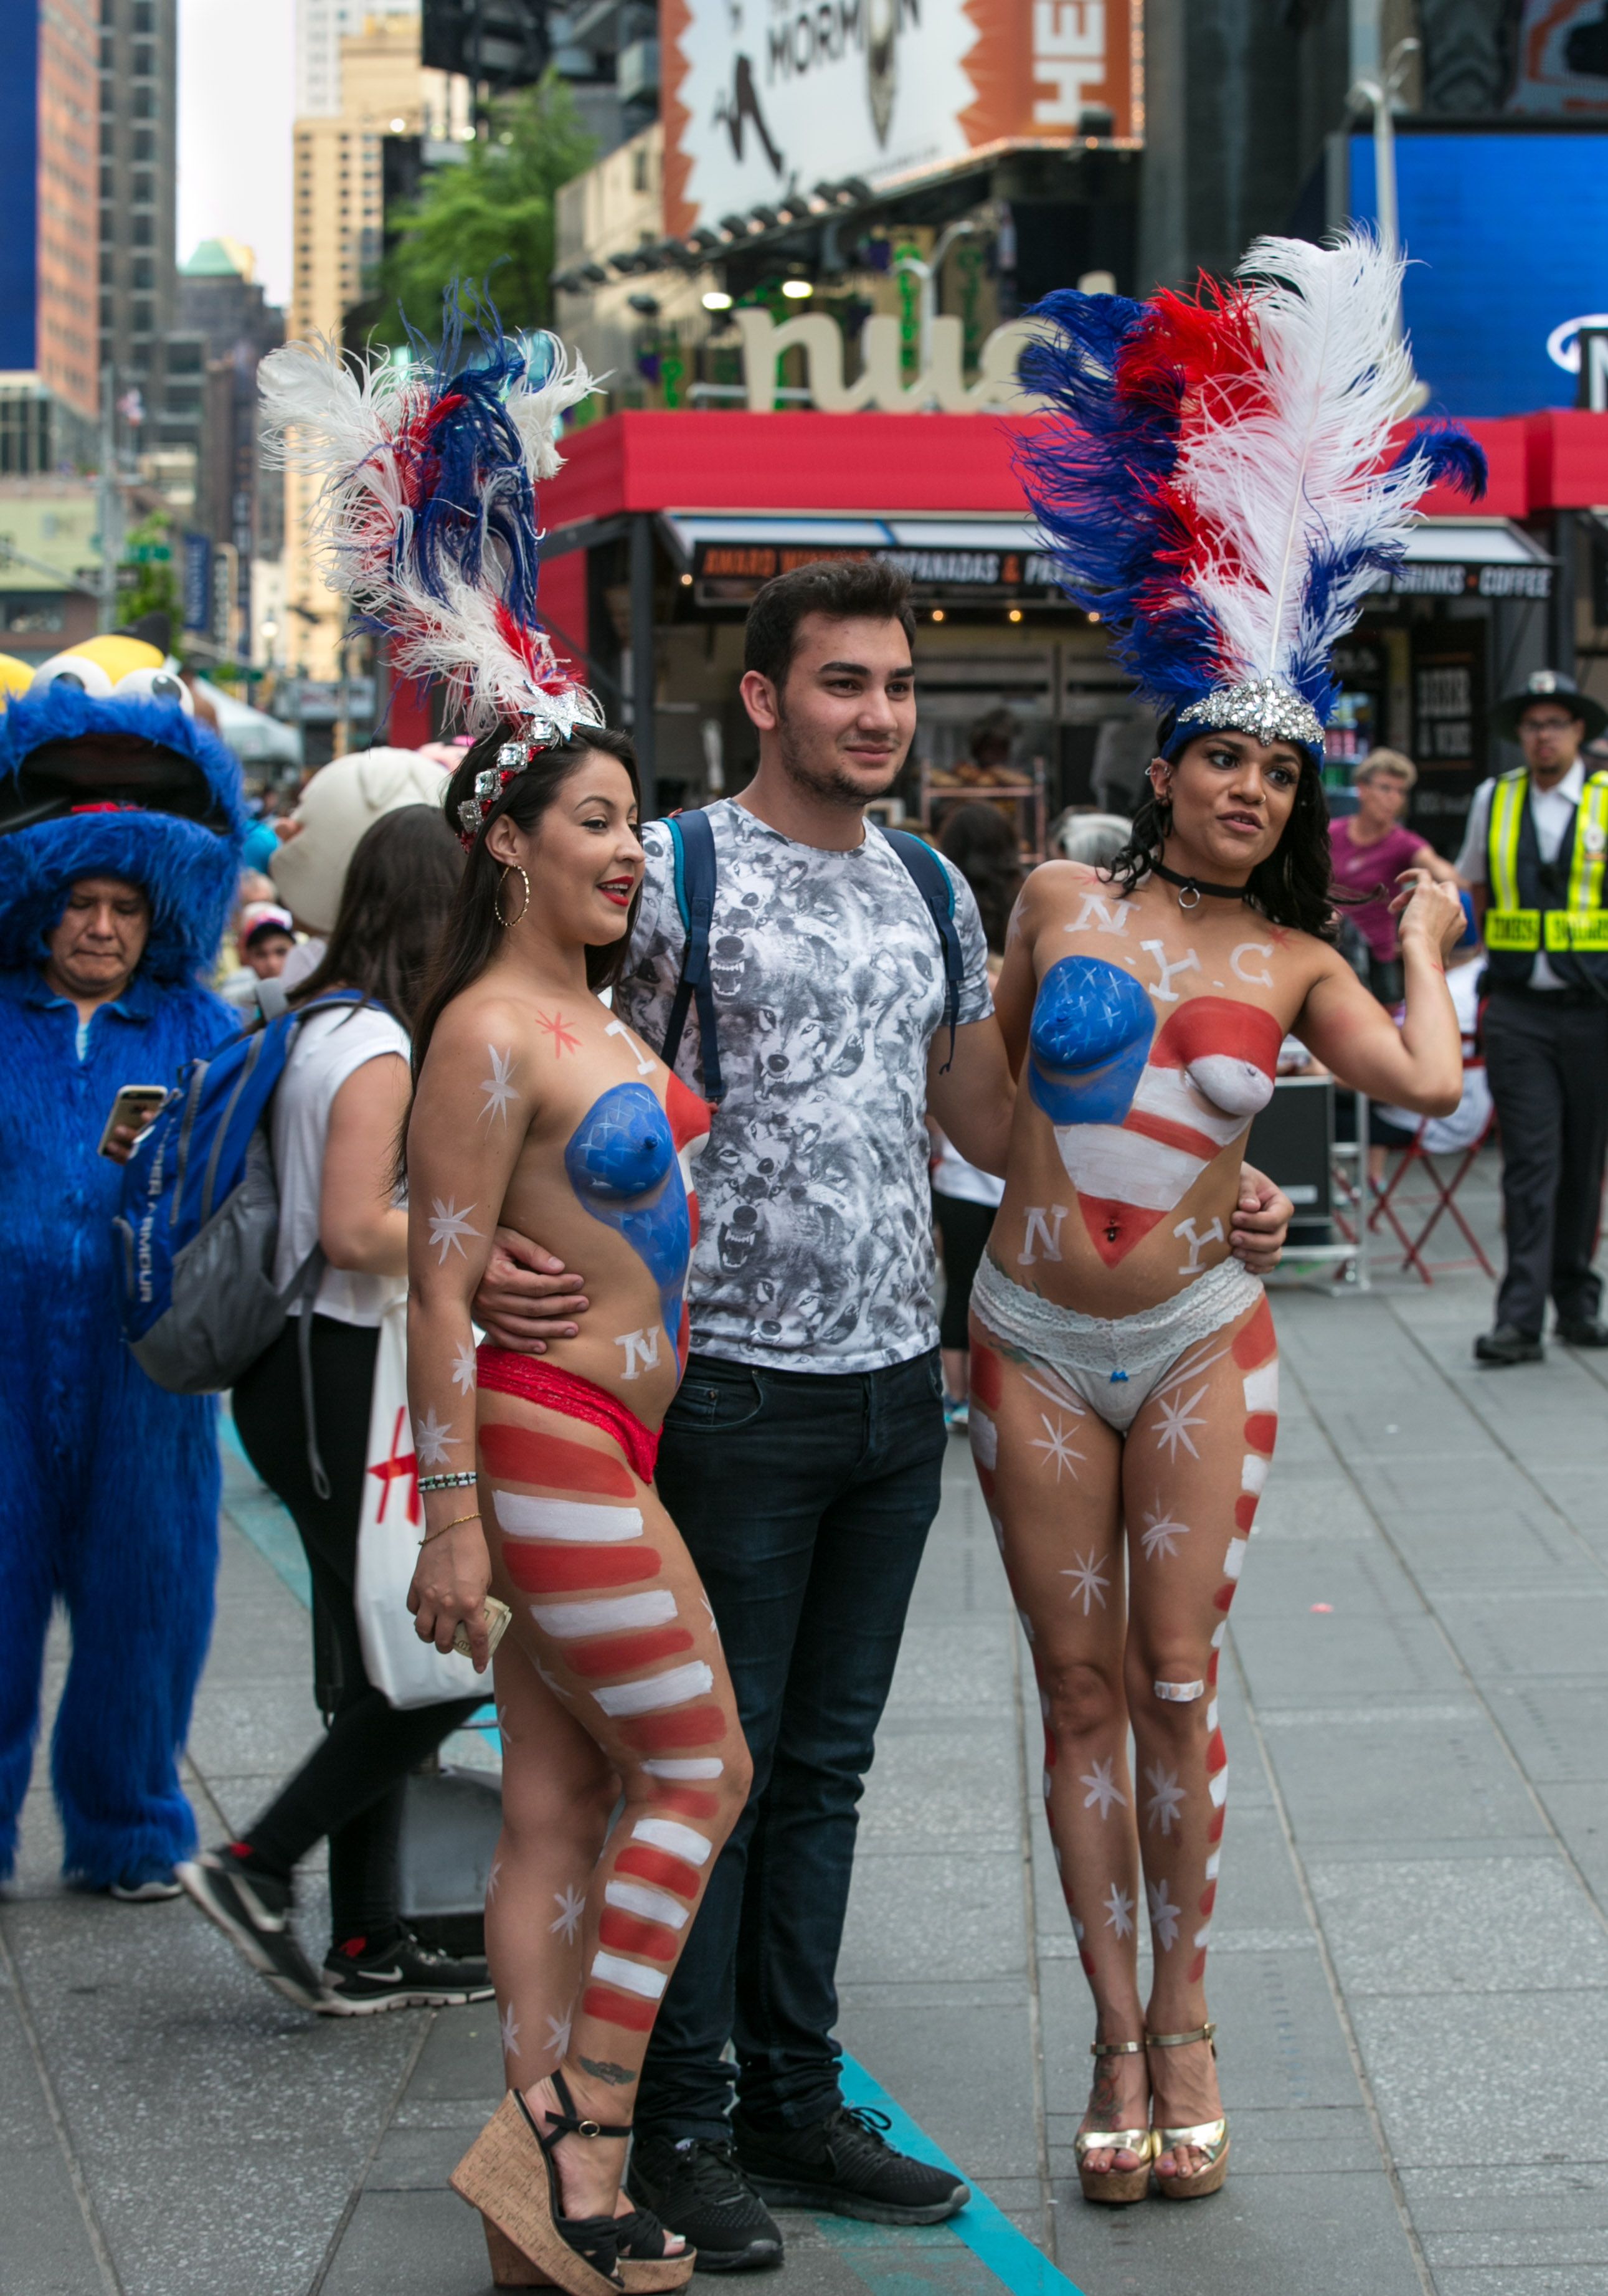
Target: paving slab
(1410,1935)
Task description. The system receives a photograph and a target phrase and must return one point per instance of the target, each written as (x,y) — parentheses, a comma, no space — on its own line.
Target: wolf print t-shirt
(816,1247)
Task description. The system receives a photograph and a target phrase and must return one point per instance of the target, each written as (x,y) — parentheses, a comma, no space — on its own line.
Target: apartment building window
(141,230)
(142,319)
(145,16)
(109,176)
(142,272)
(108,145)
(144,59)
(144,144)
(144,102)
(108,270)
(109,48)
(144,191)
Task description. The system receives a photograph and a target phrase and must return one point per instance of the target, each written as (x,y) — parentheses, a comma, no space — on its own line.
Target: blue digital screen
(19,181)
(1508,235)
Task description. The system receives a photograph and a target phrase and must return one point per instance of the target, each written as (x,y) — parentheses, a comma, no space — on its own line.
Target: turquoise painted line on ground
(982,2227)
(986,2230)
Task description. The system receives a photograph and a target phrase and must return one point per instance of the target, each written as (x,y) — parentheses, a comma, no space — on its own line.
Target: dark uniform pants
(1547,1056)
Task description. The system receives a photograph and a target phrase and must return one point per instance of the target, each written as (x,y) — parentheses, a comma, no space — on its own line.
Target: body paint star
(1059,1444)
(1176,1423)
(1163,1915)
(1161,1533)
(1119,1911)
(493,1878)
(558,2034)
(1089,1581)
(448,1226)
(1162,1805)
(511,2032)
(464,1366)
(434,1442)
(571,1906)
(1102,1788)
(564,1040)
(496,1088)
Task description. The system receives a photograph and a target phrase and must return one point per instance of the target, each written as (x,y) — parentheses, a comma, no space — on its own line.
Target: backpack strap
(271,999)
(692,860)
(936,887)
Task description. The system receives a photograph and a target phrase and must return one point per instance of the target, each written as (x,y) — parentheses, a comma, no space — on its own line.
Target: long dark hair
(1291,887)
(473,929)
(405,870)
(983,845)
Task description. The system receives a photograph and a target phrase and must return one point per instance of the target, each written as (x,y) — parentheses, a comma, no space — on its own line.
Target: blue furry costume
(109,1487)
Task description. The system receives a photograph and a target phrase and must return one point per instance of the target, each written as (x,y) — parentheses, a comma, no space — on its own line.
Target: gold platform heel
(1208,2137)
(1115,2187)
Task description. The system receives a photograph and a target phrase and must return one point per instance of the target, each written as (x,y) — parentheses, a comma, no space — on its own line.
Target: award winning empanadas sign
(767,98)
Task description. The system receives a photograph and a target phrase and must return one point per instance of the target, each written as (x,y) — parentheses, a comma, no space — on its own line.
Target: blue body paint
(622,1165)
(1092,1030)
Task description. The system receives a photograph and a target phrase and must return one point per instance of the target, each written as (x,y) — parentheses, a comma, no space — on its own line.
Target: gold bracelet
(442,1528)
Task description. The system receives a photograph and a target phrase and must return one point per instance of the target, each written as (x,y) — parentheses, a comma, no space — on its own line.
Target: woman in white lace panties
(1125,1377)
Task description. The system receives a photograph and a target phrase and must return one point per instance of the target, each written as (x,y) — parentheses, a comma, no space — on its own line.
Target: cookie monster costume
(109,1487)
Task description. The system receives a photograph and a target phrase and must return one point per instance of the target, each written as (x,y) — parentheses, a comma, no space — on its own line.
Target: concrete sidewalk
(1409,1964)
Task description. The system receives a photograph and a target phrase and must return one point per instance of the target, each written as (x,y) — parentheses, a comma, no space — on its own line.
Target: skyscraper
(138,169)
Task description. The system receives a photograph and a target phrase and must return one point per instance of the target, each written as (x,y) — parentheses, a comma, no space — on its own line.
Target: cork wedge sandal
(1115,2187)
(644,2267)
(518,2193)
(1208,2137)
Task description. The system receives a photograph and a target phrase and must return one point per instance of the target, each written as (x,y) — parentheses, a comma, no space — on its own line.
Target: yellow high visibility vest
(1580,926)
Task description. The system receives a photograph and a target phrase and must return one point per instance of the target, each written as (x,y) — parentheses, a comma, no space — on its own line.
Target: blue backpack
(693,859)
(199,1221)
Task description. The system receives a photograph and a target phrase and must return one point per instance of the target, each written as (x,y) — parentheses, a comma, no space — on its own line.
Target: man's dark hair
(841,588)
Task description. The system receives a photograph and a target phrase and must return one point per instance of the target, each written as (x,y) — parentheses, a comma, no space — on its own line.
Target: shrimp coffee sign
(764,98)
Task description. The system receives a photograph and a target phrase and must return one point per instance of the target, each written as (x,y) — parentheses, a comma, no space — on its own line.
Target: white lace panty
(1112,1362)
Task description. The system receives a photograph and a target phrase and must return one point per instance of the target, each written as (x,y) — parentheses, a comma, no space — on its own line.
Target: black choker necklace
(1196,886)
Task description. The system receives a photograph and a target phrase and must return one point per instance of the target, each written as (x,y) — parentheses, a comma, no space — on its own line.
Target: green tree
(490,220)
(148,558)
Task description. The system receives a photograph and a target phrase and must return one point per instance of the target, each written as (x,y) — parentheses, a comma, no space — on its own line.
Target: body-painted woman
(536,1108)
(1125,1377)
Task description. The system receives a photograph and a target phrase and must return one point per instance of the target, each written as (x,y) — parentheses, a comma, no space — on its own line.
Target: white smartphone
(134,1105)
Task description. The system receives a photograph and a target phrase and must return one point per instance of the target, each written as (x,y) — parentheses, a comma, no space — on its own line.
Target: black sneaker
(143,1885)
(403,1975)
(1586,1334)
(845,2166)
(698,2189)
(254,1914)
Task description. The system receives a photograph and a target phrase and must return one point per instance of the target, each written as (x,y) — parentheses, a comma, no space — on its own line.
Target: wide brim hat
(1548,685)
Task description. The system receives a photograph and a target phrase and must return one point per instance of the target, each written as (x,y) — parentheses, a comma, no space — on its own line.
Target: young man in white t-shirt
(801,1458)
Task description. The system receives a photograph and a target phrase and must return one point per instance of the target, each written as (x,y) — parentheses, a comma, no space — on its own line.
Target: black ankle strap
(566,2123)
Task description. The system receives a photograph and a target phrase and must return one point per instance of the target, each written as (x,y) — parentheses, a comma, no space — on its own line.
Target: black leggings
(964,1227)
(351,1787)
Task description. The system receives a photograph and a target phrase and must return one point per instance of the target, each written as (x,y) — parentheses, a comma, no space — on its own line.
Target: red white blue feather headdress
(1225,485)
(426,515)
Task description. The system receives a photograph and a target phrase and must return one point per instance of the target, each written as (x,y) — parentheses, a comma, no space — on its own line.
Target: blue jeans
(804,1499)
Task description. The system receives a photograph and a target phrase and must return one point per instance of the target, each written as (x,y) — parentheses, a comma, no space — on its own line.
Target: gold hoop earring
(508,924)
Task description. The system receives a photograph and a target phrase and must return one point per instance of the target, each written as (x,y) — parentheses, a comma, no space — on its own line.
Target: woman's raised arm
(1418,1066)
(471,1114)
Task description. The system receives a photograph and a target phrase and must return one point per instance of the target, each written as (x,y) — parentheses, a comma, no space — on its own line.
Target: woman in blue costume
(109,1500)
(1223,491)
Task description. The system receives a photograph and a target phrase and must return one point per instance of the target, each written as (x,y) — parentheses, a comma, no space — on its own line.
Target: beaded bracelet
(448,1482)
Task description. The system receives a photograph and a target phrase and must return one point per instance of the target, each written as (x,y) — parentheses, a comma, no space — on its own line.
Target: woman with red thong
(624,1765)
(1223,492)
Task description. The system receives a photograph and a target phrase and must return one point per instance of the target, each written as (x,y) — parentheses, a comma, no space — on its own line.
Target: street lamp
(928,273)
(1379,96)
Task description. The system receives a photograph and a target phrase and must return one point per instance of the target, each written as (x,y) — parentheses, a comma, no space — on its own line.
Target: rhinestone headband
(512,759)
(1260,706)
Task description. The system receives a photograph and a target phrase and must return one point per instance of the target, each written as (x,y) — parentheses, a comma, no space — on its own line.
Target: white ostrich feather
(1300,479)
(338,422)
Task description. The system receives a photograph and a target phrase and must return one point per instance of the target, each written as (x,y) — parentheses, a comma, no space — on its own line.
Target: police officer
(1534,855)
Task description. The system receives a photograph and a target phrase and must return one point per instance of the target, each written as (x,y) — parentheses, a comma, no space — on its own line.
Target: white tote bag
(409,1672)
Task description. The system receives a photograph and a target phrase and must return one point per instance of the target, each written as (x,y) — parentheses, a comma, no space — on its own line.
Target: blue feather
(474,482)
(1094,483)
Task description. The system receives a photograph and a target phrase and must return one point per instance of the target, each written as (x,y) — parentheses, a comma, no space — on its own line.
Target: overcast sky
(235,103)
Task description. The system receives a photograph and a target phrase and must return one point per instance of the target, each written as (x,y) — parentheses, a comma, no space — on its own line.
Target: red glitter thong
(506,1372)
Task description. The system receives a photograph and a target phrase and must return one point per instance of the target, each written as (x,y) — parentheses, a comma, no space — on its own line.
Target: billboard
(1506,234)
(767,98)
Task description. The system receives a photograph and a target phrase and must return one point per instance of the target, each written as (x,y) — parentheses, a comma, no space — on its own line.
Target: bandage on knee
(1179,1693)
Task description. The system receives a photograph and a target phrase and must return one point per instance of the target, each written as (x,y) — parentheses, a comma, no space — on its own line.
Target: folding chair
(1391,1202)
